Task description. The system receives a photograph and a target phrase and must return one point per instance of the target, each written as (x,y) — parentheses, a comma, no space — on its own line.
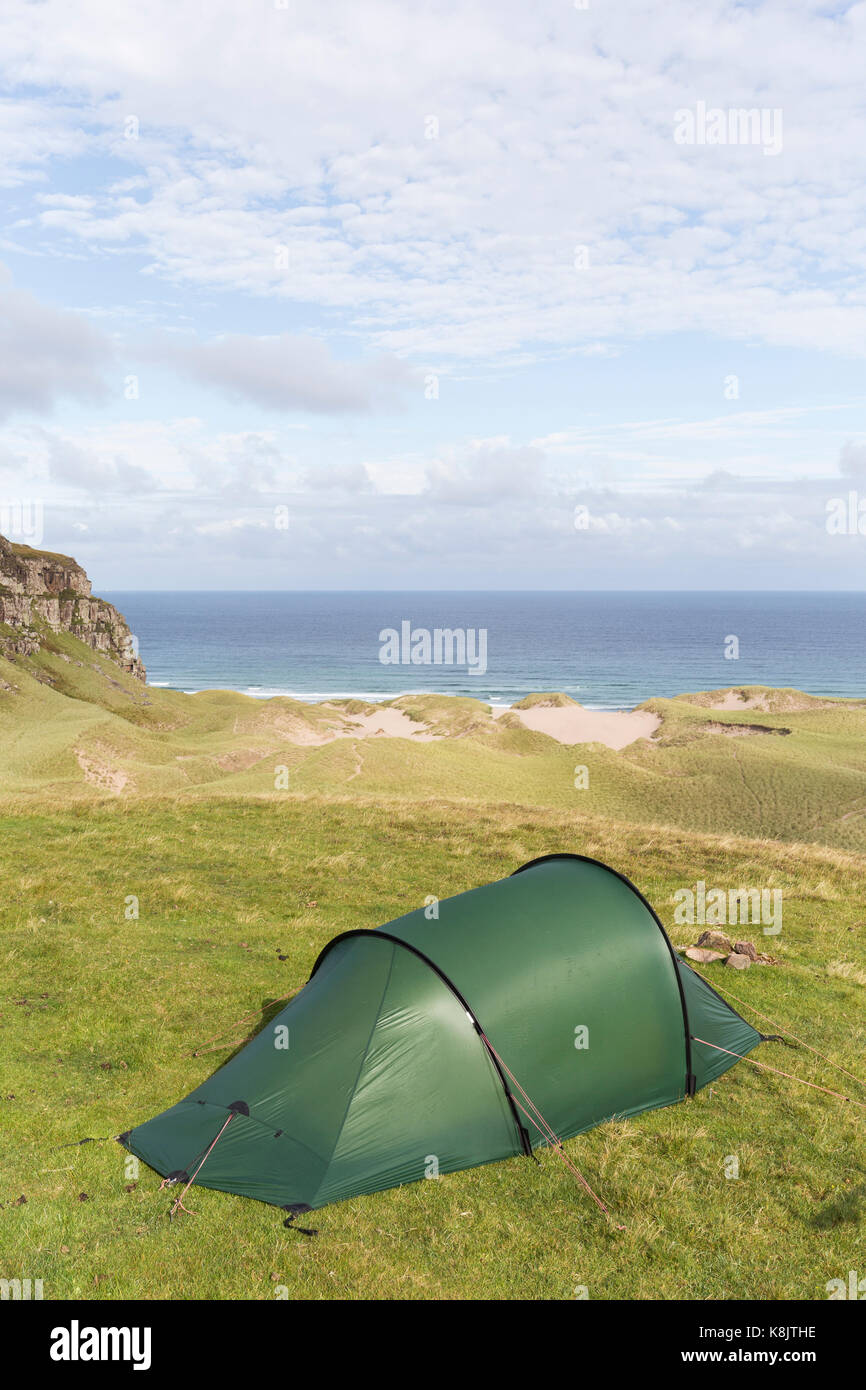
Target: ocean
(606,650)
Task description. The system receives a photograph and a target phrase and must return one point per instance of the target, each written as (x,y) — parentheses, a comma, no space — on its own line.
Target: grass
(100,1014)
(238,886)
(72,724)
(27,552)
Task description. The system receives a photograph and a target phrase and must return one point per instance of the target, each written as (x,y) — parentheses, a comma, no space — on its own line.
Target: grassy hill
(789,767)
(111,791)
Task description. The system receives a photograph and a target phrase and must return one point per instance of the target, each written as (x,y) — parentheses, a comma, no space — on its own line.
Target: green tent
(434,1043)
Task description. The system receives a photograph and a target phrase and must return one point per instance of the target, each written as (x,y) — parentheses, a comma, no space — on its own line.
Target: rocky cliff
(41,591)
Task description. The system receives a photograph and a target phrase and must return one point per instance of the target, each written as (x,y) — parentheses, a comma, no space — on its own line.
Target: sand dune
(569,724)
(734,700)
(387,723)
(573,724)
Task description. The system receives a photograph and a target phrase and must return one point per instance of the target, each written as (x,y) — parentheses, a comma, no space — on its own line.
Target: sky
(462,295)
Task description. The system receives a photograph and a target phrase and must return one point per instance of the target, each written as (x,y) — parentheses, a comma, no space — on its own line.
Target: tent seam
(263,1123)
(359,1073)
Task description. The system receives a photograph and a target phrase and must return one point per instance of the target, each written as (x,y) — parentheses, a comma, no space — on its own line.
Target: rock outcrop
(42,592)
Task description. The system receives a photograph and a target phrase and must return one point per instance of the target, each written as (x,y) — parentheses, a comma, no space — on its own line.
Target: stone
(745,948)
(738,962)
(715,941)
(701,954)
(41,591)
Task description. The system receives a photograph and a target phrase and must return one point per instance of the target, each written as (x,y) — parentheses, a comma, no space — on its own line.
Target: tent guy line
(765,1067)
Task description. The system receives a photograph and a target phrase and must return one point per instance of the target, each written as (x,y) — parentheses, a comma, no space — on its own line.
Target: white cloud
(32,133)
(852,460)
(230,525)
(306,128)
(338,477)
(265,177)
(288,373)
(46,354)
(486,474)
(70,465)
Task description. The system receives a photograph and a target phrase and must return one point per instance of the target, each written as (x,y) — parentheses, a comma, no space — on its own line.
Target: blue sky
(430,279)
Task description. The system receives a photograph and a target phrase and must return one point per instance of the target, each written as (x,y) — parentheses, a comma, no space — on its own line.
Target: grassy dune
(795,770)
(100,1011)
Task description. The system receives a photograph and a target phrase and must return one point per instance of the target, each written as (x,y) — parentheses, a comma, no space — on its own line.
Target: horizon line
(465,590)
